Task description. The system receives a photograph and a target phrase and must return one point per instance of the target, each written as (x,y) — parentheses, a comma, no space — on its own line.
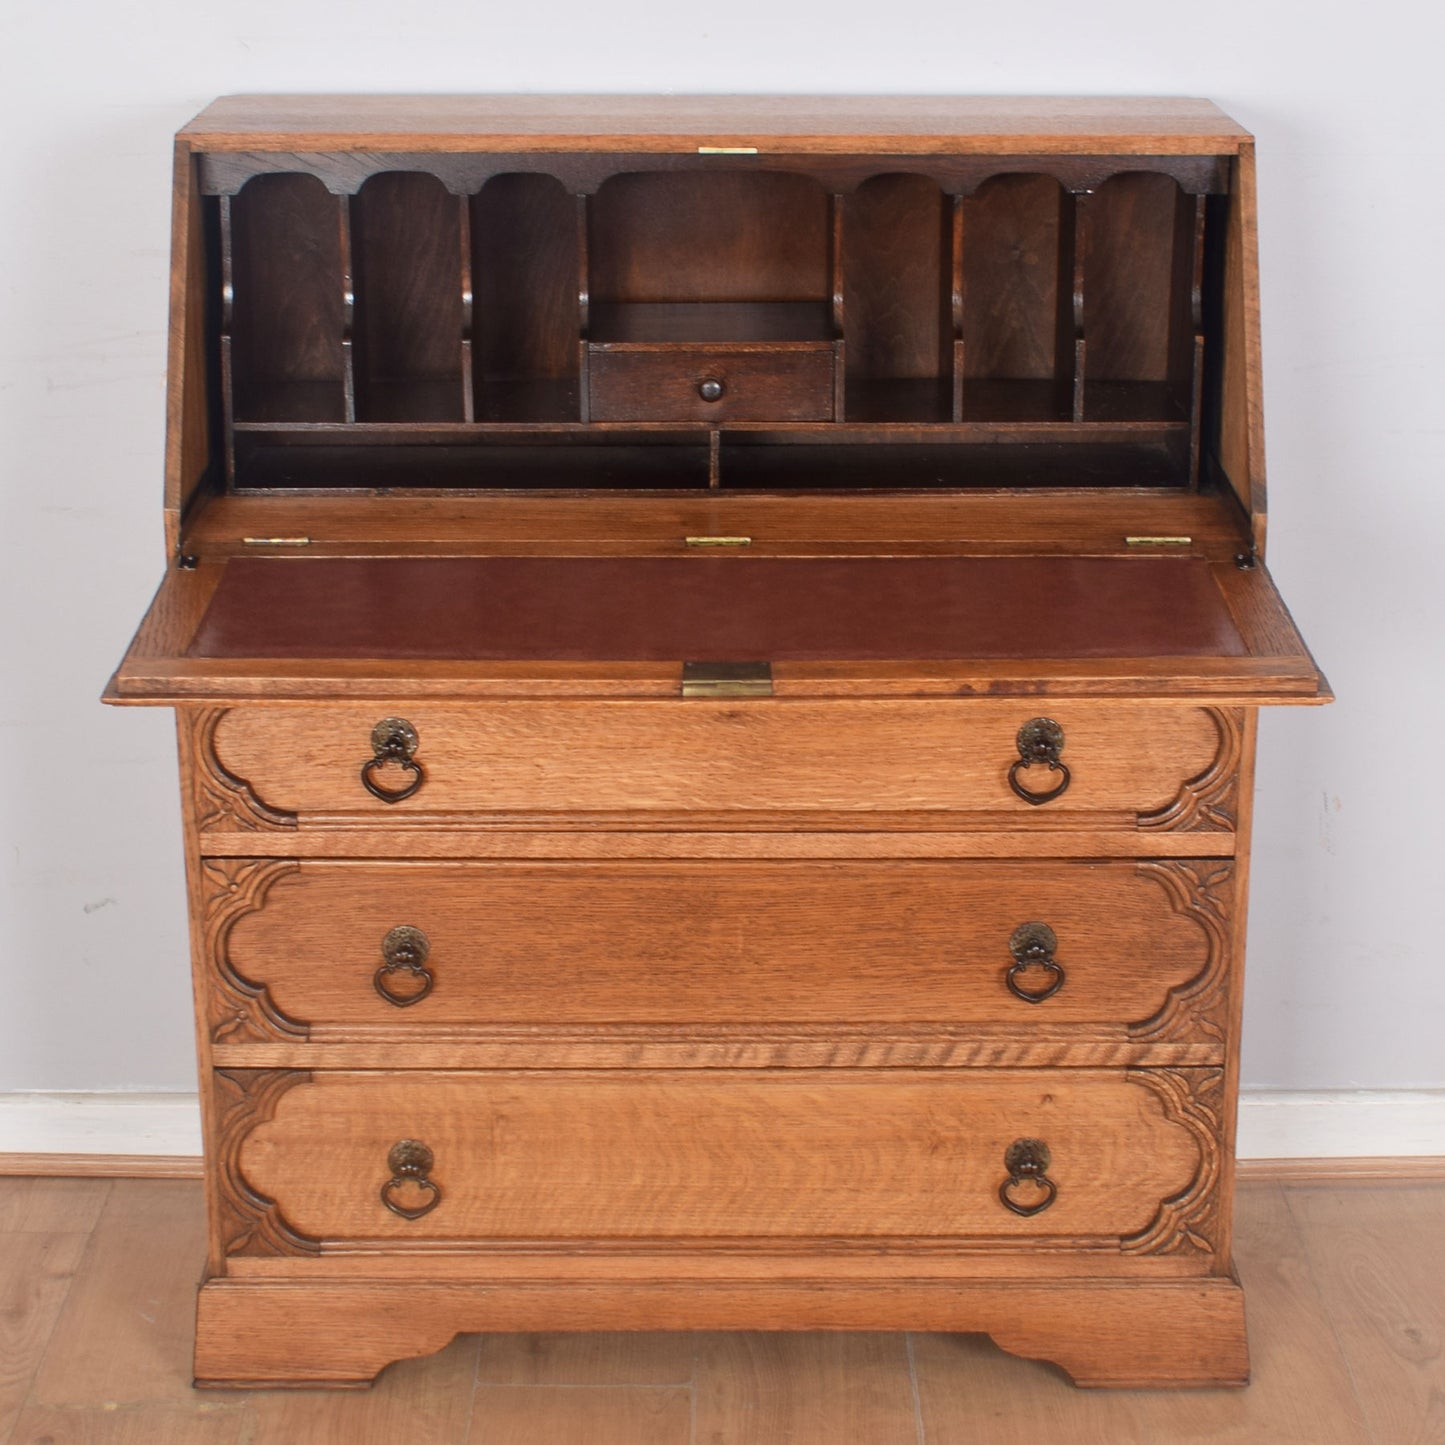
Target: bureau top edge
(899,125)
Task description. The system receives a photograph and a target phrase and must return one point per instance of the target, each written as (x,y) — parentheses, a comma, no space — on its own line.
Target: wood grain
(755,943)
(600,1415)
(50,1206)
(906,125)
(1145,1333)
(1379,1263)
(125,1332)
(148,1424)
(718,1037)
(916,1158)
(806,1389)
(842,756)
(636,1357)
(36,1273)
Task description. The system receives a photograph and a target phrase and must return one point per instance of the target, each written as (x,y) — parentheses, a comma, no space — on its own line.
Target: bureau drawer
(727,1156)
(1121,766)
(1033,949)
(715,383)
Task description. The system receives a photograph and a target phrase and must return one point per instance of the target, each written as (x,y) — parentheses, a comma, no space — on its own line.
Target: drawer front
(726,1156)
(711,383)
(1035,949)
(1126,765)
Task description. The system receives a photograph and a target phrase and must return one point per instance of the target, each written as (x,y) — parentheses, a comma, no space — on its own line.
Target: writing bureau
(716,645)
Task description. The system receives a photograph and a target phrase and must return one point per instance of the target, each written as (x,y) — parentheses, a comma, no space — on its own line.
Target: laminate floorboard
(1378,1257)
(584,1414)
(1346,1296)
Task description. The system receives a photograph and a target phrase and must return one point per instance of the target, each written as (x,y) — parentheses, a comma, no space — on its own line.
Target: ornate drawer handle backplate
(404,950)
(1040,740)
(394,742)
(1033,946)
(1027,1162)
(410,1161)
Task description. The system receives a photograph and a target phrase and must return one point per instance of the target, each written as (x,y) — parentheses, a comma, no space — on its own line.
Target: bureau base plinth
(1122,1334)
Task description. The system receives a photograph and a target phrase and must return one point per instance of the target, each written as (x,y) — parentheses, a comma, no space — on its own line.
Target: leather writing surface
(715,609)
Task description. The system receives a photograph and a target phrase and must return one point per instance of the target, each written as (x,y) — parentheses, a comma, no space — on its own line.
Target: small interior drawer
(714,383)
(720,1156)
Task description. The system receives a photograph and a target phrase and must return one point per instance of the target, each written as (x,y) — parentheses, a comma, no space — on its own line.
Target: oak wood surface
(657,1116)
(905,124)
(754,943)
(719,1155)
(843,757)
(1182,1333)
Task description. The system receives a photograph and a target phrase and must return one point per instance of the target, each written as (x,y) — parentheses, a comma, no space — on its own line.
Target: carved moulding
(238,1010)
(251,1224)
(1187,1222)
(1208,803)
(222,800)
(1196,1011)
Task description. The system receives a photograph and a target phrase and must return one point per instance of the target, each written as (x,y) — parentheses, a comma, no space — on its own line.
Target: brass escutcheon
(1033,946)
(394,742)
(1040,740)
(410,1162)
(1027,1160)
(404,952)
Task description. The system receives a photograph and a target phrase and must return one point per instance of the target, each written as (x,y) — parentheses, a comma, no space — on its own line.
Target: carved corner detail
(1208,803)
(1196,1011)
(1187,1222)
(251,1224)
(222,800)
(239,1011)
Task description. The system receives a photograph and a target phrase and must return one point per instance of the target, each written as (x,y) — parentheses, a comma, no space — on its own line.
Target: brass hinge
(727,150)
(727,679)
(1158,541)
(718,541)
(276,541)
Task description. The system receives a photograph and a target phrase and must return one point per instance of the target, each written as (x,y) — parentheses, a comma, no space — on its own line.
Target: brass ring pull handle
(1033,946)
(1027,1162)
(404,953)
(393,741)
(1040,740)
(410,1161)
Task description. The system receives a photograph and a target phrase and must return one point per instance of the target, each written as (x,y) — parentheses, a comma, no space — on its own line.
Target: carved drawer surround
(588,936)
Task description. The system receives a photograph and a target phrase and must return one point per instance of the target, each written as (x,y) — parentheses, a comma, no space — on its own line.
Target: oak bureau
(716,645)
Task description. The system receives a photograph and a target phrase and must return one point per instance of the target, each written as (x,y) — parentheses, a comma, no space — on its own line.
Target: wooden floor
(1346,1289)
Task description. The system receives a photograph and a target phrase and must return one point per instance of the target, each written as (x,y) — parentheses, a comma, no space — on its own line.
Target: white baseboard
(160,1124)
(1342,1124)
(1366,1123)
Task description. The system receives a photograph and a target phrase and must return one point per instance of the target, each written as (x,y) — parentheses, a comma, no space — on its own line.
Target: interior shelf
(1018,335)
(678,466)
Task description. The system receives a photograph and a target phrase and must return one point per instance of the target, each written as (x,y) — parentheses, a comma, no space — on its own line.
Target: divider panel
(288,301)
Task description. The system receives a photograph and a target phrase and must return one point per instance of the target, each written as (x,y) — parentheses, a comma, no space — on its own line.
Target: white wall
(1347,987)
